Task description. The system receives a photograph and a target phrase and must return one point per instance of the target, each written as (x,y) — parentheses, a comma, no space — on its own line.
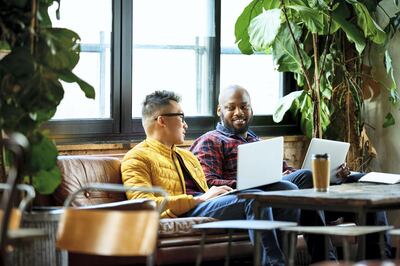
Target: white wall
(386,140)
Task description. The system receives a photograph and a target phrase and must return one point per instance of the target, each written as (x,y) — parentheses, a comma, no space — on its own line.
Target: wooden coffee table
(358,198)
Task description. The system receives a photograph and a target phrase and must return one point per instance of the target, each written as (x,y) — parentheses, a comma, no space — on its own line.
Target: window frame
(122,127)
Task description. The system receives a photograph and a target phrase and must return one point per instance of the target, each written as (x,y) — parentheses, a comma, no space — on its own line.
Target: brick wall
(294,149)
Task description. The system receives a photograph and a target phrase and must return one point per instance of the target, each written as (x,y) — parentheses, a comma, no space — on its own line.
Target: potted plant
(38,58)
(324,44)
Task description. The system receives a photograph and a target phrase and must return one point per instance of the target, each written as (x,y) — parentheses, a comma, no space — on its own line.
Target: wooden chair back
(108,233)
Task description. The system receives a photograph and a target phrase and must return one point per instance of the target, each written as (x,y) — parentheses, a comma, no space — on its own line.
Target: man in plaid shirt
(217,149)
(217,152)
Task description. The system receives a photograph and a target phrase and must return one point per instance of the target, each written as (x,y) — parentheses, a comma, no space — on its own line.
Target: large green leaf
(18,63)
(284,105)
(325,115)
(43,154)
(242,25)
(394,95)
(264,28)
(251,11)
(42,92)
(30,93)
(353,33)
(19,3)
(305,106)
(370,28)
(389,120)
(316,20)
(285,53)
(43,15)
(70,77)
(4,45)
(30,81)
(58,48)
(45,182)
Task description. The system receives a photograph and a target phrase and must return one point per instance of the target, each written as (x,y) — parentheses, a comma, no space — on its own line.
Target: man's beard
(236,131)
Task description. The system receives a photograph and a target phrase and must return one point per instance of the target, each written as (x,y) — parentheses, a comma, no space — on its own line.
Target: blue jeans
(230,207)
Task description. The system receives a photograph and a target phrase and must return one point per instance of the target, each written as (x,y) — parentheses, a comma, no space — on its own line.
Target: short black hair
(157,100)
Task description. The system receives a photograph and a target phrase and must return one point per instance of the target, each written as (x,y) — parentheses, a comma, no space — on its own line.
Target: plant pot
(40,251)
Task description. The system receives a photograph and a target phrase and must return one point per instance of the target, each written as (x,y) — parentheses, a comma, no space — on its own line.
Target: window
(171,52)
(131,48)
(94,64)
(254,72)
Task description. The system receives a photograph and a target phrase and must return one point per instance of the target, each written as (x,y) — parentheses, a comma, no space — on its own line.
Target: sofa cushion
(77,171)
(183,226)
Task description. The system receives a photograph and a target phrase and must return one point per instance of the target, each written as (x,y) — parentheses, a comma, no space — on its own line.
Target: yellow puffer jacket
(152,163)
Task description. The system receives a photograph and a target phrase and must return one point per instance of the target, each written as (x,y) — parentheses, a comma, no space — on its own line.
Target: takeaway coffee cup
(320,172)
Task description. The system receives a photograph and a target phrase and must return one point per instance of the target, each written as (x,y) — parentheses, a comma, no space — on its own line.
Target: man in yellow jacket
(158,162)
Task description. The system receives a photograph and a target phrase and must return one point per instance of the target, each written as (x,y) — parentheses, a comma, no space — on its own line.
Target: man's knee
(306,173)
(303,178)
(286,185)
(282,185)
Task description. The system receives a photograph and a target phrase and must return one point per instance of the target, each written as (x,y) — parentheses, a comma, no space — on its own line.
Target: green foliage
(389,120)
(285,104)
(40,56)
(314,40)
(251,11)
(265,34)
(285,54)
(353,33)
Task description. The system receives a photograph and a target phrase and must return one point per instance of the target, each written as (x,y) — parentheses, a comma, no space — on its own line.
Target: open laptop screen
(337,151)
(259,163)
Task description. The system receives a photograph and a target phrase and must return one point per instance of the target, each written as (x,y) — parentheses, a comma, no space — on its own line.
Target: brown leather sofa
(178,242)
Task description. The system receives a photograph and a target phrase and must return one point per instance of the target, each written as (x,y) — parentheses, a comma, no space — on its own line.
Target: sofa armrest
(126,205)
(116,188)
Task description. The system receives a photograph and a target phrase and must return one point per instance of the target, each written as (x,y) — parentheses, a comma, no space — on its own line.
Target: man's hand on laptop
(343,171)
(286,169)
(212,193)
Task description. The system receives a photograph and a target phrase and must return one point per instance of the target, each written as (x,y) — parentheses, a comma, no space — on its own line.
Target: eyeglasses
(181,115)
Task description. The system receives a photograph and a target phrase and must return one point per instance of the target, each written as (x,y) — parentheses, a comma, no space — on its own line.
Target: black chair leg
(201,248)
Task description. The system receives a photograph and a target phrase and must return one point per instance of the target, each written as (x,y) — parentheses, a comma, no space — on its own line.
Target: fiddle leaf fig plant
(323,43)
(38,58)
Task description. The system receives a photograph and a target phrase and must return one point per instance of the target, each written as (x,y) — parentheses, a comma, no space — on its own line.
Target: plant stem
(303,68)
(327,41)
(2,162)
(32,31)
(317,130)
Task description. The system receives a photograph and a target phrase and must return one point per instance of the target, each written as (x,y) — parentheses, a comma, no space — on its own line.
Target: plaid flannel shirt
(217,152)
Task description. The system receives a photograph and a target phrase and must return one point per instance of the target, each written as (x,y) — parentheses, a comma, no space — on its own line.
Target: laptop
(337,151)
(259,164)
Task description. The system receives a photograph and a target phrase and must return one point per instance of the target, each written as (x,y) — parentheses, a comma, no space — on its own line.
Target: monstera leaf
(284,105)
(264,28)
(251,11)
(285,53)
(316,21)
